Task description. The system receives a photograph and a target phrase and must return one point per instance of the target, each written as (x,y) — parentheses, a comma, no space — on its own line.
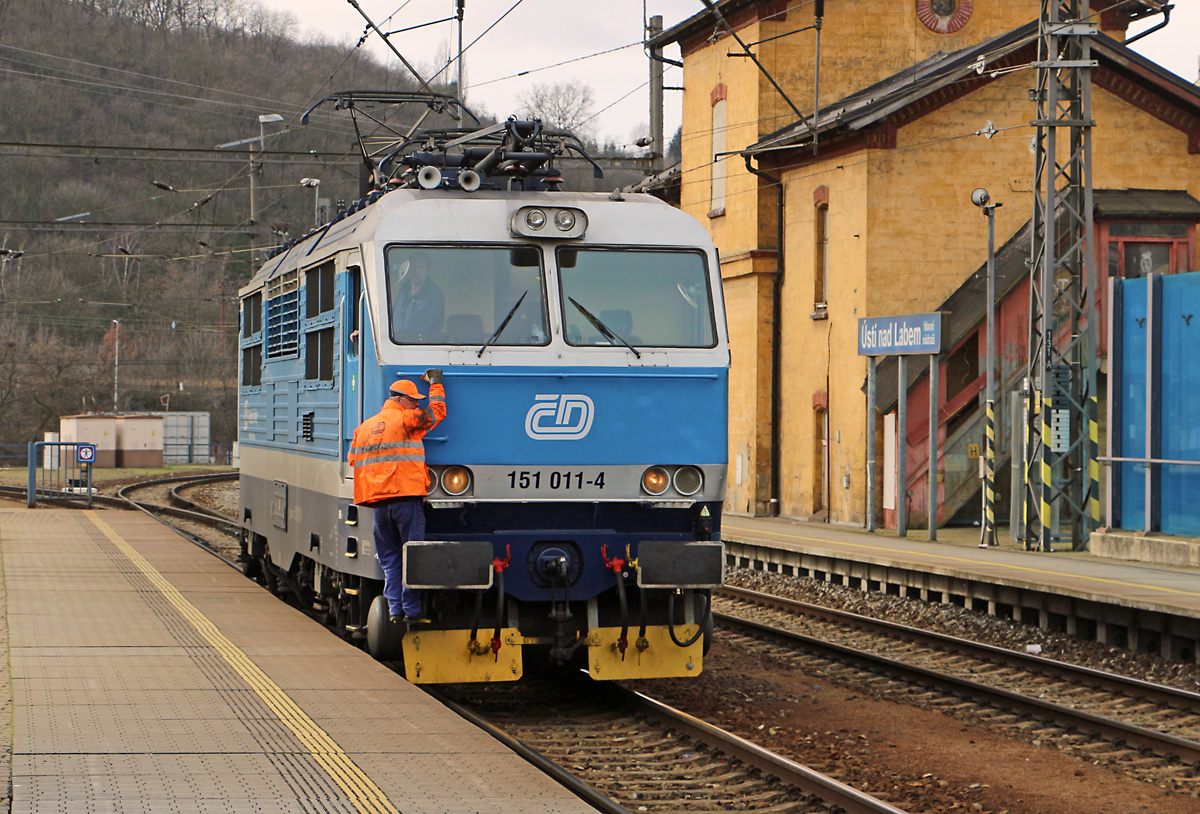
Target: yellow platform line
(359,788)
(947,558)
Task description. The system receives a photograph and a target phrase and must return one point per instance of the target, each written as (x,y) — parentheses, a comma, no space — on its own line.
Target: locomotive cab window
(649,299)
(466,296)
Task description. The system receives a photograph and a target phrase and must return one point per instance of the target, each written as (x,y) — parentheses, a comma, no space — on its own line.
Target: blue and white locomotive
(575,487)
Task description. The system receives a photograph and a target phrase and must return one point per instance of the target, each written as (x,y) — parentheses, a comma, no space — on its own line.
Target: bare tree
(563,105)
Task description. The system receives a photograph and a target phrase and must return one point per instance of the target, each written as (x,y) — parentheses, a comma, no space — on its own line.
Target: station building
(864,210)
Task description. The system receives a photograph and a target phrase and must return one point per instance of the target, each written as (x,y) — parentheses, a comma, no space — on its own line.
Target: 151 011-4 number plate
(555,481)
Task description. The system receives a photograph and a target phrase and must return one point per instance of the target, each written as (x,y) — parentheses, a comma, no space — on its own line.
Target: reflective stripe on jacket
(387,453)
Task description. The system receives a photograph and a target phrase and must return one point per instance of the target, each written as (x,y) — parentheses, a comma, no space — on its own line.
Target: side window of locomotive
(252,356)
(650,299)
(466,295)
(318,322)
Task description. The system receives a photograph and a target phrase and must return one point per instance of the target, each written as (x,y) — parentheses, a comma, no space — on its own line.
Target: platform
(148,676)
(1162,587)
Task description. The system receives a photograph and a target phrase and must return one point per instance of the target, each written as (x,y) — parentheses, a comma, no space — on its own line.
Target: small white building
(100,430)
(139,440)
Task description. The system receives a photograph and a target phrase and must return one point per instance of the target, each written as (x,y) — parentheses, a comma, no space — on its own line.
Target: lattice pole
(1061,494)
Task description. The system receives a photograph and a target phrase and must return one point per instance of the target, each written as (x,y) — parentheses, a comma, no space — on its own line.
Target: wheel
(251,569)
(384,637)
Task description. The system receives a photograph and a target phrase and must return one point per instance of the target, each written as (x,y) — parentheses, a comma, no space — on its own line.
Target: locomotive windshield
(648,299)
(463,295)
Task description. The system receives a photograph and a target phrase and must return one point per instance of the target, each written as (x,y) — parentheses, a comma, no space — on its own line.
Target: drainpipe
(776,334)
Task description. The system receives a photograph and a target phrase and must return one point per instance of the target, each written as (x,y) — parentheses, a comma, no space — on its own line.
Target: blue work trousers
(397,522)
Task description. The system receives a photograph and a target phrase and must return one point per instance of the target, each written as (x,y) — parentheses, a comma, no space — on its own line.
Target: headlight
(431,480)
(564,219)
(535,219)
(456,480)
(531,221)
(655,480)
(688,480)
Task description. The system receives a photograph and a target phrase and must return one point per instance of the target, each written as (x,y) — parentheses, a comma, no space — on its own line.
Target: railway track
(1148,729)
(646,756)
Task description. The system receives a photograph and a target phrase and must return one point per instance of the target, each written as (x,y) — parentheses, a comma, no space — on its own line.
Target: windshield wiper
(602,328)
(503,325)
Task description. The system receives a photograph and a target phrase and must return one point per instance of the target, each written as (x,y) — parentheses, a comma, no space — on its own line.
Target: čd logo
(559,417)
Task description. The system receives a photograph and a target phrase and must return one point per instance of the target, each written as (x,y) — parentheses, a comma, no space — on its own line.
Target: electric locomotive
(575,486)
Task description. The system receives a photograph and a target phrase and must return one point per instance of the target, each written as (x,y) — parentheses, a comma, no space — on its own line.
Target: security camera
(980,197)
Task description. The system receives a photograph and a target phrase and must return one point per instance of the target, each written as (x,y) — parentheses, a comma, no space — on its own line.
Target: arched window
(717,199)
(820,504)
(821,255)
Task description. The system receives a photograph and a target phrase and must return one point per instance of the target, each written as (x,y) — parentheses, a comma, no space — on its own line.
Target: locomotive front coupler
(566,642)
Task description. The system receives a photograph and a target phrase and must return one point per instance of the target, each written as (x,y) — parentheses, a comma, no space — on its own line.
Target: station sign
(900,335)
(85,453)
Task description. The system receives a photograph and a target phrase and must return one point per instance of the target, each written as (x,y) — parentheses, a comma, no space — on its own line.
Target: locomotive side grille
(283,315)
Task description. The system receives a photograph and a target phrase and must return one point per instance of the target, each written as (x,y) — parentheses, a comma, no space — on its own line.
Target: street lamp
(263,119)
(981,199)
(315,183)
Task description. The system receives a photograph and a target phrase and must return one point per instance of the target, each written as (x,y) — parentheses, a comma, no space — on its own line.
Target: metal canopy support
(1061,478)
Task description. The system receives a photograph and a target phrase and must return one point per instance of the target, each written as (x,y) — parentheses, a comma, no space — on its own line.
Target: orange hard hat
(403,387)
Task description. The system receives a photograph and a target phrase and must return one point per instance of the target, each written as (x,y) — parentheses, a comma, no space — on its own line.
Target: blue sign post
(902,336)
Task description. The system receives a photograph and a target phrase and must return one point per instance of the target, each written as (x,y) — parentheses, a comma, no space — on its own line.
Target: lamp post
(263,120)
(981,199)
(315,184)
(256,168)
(116,362)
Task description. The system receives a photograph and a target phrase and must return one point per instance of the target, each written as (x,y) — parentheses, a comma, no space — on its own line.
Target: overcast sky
(540,33)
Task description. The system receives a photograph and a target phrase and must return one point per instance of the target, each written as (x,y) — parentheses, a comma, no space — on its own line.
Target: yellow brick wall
(918,238)
(912,201)
(738,229)
(857,50)
(748,294)
(861,45)
(821,354)
(926,235)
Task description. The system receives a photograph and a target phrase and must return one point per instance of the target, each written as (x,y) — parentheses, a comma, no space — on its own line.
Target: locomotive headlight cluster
(687,480)
(548,221)
(453,480)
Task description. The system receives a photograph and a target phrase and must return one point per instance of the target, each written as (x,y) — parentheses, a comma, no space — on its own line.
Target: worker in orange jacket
(388,457)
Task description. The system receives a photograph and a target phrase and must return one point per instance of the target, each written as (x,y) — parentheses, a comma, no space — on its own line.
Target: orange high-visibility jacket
(387,453)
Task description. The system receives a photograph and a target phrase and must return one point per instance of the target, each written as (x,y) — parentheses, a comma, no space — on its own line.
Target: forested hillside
(94,231)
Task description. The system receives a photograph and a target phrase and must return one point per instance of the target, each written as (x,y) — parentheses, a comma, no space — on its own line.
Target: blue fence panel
(1131,391)
(1178,410)
(59,471)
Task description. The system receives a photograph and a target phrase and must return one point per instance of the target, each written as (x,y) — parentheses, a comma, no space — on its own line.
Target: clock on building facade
(944,16)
